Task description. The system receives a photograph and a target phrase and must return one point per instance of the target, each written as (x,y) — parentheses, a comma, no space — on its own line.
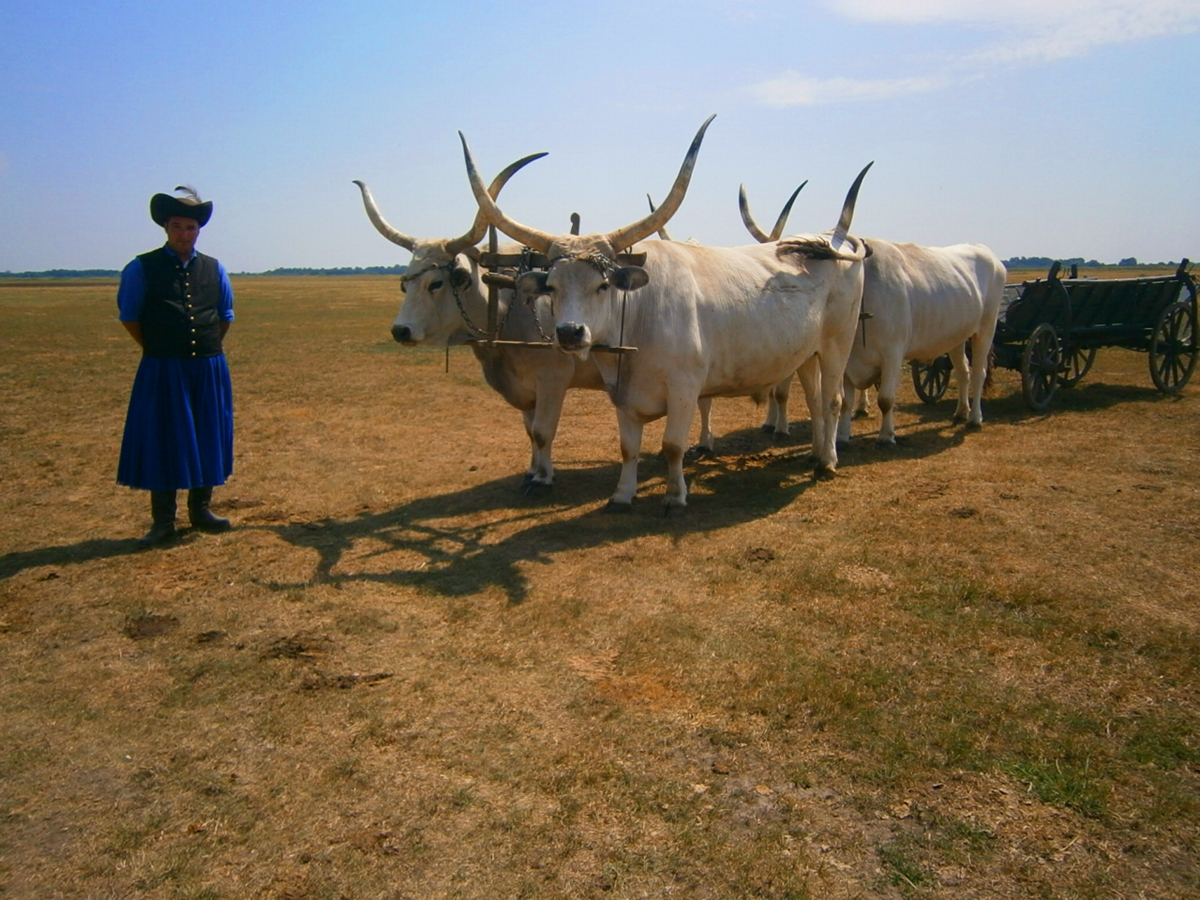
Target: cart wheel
(1041,366)
(1077,363)
(1173,347)
(930,381)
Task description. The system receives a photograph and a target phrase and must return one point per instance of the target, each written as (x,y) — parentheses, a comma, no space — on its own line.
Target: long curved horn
(662,232)
(380,223)
(631,234)
(530,237)
(479,228)
(748,220)
(781,222)
(843,225)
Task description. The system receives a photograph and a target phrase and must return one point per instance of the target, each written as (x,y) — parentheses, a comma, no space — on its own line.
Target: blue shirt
(132,292)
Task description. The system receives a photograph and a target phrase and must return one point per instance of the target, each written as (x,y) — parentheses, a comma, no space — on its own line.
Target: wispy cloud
(1030,33)
(794,89)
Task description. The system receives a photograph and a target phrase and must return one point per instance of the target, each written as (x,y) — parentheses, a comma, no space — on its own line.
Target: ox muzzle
(572,337)
(403,334)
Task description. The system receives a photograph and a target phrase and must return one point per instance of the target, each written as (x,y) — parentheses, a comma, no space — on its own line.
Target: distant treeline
(1045,262)
(64,273)
(344,270)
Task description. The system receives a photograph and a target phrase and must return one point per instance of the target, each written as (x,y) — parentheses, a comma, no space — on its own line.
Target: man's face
(181,235)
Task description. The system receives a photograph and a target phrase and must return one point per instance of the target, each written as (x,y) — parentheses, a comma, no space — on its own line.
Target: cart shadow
(1086,397)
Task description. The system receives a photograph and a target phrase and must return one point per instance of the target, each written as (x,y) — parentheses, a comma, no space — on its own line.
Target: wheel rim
(930,381)
(1173,348)
(1041,365)
(1076,364)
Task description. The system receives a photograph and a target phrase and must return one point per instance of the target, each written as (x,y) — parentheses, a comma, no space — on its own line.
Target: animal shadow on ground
(465,541)
(483,536)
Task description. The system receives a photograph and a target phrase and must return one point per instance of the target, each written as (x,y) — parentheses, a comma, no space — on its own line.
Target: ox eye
(403,288)
(435,285)
(603,287)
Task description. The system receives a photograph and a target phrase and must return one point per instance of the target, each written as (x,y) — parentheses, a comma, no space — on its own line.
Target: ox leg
(630,428)
(705,448)
(962,380)
(831,409)
(776,422)
(890,371)
(527,479)
(810,382)
(542,426)
(981,344)
(862,405)
(845,424)
(675,433)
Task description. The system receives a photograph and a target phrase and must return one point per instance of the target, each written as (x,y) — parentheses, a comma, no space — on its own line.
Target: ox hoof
(974,426)
(861,414)
(673,510)
(959,418)
(699,452)
(533,488)
(824,473)
(615,508)
(767,429)
(780,436)
(885,442)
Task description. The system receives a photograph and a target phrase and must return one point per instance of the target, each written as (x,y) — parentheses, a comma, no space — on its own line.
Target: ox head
(441,282)
(586,272)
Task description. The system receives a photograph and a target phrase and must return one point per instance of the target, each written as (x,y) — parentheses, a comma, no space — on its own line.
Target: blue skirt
(179,428)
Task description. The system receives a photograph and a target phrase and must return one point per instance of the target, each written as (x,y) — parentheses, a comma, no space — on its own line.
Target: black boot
(200,515)
(162,508)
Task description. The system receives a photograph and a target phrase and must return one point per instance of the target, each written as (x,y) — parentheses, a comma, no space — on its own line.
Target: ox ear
(629,278)
(460,278)
(532,284)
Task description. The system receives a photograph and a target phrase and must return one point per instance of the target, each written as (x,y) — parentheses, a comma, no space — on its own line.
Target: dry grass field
(968,667)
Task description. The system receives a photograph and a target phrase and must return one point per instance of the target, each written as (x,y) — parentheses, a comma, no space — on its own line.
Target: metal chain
(449,267)
(531,301)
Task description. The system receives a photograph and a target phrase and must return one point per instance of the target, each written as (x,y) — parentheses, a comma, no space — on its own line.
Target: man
(178,305)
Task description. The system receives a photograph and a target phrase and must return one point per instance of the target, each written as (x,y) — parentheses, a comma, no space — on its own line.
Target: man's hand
(135,331)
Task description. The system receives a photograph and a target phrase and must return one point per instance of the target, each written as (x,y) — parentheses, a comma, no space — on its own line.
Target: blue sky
(1039,127)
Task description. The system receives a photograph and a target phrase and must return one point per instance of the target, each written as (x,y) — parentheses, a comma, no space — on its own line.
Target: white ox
(919,303)
(445,304)
(707,321)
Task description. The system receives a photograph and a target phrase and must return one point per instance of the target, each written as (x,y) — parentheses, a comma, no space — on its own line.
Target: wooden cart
(1051,328)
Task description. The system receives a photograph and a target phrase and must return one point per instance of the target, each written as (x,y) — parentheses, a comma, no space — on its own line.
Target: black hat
(164,206)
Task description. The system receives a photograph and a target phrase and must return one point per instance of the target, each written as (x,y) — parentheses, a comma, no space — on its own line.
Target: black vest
(180,315)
